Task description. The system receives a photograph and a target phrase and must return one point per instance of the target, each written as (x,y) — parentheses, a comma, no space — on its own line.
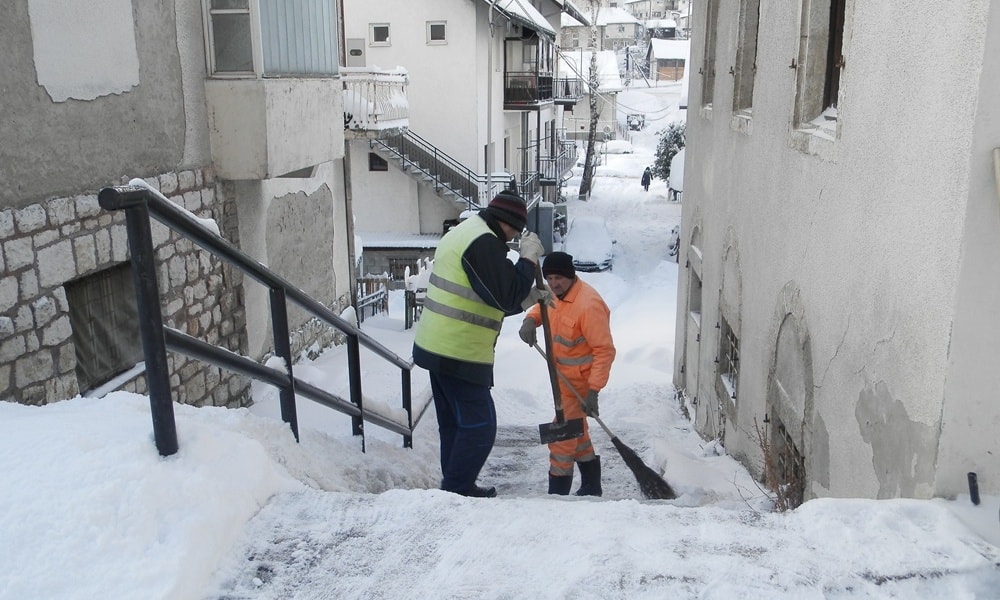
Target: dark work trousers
(467,423)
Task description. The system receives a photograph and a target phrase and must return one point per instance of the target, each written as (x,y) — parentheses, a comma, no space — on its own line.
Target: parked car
(675,242)
(636,121)
(590,244)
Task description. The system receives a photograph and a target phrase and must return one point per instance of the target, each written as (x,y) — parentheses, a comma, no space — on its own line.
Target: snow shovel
(560,429)
(652,485)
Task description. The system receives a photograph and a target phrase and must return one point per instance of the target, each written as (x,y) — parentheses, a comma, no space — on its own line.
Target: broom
(651,484)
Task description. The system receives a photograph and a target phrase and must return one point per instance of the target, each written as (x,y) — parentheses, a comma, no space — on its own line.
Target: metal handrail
(139,203)
(446,172)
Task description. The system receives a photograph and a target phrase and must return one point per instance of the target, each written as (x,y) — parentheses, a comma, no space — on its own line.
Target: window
(379,33)
(729,358)
(105,322)
(377,163)
(694,298)
(272,38)
(819,63)
(231,37)
(437,32)
(708,64)
(746,56)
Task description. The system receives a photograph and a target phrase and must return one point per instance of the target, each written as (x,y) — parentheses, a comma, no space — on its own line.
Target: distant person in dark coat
(647,176)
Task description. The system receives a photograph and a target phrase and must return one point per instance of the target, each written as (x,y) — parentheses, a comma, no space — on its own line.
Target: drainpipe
(996,170)
(348,199)
(489,105)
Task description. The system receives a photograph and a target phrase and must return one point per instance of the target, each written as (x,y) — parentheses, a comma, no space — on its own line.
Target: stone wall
(48,244)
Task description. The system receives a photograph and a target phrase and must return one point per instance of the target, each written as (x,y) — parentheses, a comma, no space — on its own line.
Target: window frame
(729,360)
(820,60)
(709,56)
(430,38)
(329,33)
(376,163)
(371,35)
(746,58)
(255,49)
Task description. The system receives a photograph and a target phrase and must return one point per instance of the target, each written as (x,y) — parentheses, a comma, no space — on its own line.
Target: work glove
(589,404)
(531,247)
(527,332)
(535,296)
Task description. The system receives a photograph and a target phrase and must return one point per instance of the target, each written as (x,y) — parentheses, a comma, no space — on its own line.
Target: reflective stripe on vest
(455,321)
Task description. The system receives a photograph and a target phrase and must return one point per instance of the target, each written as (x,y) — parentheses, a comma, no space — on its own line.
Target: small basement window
(377,163)
(105,321)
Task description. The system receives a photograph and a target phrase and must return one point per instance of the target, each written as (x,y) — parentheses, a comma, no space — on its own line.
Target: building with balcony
(485,105)
(210,103)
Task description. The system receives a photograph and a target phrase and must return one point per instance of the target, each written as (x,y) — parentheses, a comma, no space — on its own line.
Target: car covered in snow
(674,245)
(590,244)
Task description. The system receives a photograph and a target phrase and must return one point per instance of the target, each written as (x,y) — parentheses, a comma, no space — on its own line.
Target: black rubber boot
(560,484)
(590,478)
(480,492)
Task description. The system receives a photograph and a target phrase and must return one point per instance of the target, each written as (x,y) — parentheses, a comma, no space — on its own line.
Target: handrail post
(354,378)
(147,296)
(283,349)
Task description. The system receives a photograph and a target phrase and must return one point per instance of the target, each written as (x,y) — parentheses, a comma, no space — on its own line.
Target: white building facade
(839,289)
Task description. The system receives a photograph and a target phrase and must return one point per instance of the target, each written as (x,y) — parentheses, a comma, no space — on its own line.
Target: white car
(675,241)
(590,244)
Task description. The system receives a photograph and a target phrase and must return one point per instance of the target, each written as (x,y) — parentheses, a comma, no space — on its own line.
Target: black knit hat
(559,263)
(510,208)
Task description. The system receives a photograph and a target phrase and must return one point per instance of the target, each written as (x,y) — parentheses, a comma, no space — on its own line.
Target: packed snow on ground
(88,509)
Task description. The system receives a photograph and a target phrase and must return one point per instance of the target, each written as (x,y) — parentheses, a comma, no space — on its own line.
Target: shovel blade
(557,432)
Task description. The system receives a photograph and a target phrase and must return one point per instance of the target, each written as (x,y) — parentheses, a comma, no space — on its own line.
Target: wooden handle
(547,336)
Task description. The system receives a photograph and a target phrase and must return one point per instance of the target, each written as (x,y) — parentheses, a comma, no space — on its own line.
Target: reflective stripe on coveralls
(455,322)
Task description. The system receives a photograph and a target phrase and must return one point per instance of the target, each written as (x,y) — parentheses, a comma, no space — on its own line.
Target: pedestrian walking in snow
(583,351)
(647,177)
(472,287)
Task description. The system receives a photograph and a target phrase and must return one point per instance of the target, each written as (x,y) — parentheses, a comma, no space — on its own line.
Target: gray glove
(531,247)
(589,404)
(527,332)
(535,296)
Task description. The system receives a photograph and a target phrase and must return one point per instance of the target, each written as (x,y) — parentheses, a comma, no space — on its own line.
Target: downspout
(348,201)
(489,104)
(996,170)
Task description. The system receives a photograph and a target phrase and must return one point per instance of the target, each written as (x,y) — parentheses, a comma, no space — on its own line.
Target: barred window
(729,358)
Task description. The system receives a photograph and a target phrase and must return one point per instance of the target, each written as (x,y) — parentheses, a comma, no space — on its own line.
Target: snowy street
(89,510)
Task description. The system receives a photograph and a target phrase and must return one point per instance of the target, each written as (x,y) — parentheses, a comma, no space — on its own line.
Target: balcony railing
(375,100)
(568,90)
(553,168)
(525,88)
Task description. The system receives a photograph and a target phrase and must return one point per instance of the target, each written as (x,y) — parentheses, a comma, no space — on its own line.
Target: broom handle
(573,389)
(547,333)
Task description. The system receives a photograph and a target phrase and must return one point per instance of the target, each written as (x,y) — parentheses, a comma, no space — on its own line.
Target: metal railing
(568,89)
(443,172)
(374,99)
(139,204)
(553,168)
(526,87)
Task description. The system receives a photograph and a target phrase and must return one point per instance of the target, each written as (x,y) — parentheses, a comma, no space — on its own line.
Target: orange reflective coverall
(583,351)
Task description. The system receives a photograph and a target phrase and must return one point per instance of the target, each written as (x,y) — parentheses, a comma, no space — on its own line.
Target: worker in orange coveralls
(583,352)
